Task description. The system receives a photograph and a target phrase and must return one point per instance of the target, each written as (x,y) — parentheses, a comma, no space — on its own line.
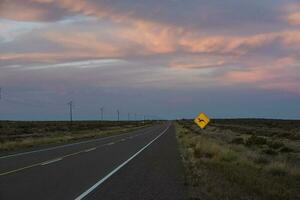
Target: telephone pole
(101,109)
(71,111)
(118,112)
(128,116)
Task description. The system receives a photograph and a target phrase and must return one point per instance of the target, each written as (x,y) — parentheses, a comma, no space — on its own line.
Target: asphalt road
(143,164)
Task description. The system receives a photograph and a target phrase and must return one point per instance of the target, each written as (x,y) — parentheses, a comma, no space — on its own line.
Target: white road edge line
(66,145)
(51,161)
(83,195)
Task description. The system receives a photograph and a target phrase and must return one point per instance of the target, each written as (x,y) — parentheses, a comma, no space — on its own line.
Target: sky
(165,59)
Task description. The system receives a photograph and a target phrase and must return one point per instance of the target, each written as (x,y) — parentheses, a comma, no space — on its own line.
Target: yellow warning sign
(202,120)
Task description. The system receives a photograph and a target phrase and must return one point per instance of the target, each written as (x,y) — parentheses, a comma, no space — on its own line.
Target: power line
(41,105)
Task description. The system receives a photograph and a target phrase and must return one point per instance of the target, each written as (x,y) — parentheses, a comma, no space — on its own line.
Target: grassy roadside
(21,135)
(216,169)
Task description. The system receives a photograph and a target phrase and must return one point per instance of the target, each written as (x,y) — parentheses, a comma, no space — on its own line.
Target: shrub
(277,169)
(261,160)
(275,144)
(286,150)
(237,140)
(198,152)
(26,131)
(295,136)
(269,151)
(255,140)
(228,156)
(206,149)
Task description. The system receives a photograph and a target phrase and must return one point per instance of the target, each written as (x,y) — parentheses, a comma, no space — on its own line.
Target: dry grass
(217,169)
(278,168)
(43,133)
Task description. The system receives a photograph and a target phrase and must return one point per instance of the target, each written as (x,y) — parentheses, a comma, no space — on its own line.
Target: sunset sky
(165,58)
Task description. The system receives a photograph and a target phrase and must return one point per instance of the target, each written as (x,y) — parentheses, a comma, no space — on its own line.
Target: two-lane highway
(143,164)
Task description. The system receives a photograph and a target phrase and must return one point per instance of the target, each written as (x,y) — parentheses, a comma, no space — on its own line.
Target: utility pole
(101,109)
(0,93)
(71,112)
(134,116)
(118,112)
(128,116)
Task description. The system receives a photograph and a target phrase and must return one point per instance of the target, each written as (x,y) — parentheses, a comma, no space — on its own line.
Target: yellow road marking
(46,162)
(20,169)
(59,158)
(92,149)
(51,161)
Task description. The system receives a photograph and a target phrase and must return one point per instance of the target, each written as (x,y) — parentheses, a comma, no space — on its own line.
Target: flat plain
(238,159)
(17,135)
(241,159)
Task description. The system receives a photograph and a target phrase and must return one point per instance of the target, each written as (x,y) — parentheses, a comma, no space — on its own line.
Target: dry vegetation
(241,159)
(19,135)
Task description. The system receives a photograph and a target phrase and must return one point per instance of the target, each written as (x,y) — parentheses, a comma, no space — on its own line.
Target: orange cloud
(199,62)
(265,79)
(274,75)
(249,76)
(238,45)
(47,57)
(208,44)
(260,70)
(294,18)
(154,37)
(48,10)
(89,8)
(286,85)
(88,42)
(147,38)
(291,39)
(21,11)
(292,15)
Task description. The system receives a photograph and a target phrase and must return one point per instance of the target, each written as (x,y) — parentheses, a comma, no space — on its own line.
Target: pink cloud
(249,76)
(287,85)
(292,13)
(155,38)
(238,45)
(134,37)
(273,75)
(87,42)
(199,62)
(48,57)
(19,10)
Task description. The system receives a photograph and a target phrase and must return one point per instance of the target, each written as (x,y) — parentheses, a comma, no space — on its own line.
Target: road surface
(143,164)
